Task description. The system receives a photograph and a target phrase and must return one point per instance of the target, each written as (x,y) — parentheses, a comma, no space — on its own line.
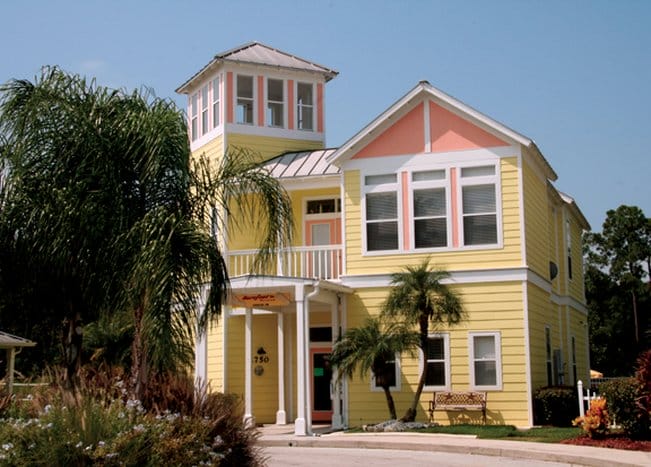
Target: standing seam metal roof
(9,340)
(301,164)
(261,54)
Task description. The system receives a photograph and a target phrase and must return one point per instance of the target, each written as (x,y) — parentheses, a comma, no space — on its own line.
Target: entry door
(321,379)
(324,265)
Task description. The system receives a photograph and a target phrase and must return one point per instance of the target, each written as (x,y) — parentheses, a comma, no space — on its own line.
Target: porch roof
(282,288)
(8,341)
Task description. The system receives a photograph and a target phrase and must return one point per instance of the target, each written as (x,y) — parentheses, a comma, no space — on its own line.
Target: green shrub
(555,405)
(621,395)
(96,426)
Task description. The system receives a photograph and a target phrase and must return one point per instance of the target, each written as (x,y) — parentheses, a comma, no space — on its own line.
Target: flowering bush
(95,426)
(596,420)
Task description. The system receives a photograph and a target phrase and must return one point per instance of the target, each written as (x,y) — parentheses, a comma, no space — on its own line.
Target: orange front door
(321,384)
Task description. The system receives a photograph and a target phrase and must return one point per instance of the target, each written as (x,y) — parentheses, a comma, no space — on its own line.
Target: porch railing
(314,262)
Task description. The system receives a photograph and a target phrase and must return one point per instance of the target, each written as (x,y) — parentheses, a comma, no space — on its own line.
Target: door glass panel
(322,374)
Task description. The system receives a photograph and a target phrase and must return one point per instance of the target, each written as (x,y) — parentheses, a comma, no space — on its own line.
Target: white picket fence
(585,398)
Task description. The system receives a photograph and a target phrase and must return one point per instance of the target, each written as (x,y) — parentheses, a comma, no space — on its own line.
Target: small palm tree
(372,347)
(418,297)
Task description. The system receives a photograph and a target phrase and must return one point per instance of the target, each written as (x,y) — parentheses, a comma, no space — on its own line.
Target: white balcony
(312,262)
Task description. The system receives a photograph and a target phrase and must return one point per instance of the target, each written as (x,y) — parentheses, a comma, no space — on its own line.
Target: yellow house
(429,177)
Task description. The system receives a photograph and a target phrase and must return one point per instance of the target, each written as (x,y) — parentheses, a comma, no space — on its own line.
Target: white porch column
(337,420)
(249,420)
(281,415)
(300,425)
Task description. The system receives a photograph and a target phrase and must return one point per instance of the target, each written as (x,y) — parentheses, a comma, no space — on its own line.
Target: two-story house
(429,177)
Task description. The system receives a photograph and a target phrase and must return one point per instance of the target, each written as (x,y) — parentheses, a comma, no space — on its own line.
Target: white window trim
(480,180)
(216,103)
(205,109)
(194,116)
(283,102)
(395,187)
(498,360)
(313,106)
(395,388)
(421,185)
(447,362)
(253,100)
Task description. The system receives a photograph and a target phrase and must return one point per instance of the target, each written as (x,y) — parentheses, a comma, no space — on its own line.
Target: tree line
(618,290)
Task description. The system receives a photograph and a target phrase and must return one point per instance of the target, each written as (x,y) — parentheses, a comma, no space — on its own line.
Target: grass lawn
(541,435)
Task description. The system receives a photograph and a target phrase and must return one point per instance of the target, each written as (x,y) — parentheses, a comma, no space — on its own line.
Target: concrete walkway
(283,435)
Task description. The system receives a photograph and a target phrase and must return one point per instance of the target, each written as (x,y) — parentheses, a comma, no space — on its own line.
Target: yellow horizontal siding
(268,146)
(489,307)
(536,221)
(265,387)
(215,356)
(213,149)
(507,256)
(576,283)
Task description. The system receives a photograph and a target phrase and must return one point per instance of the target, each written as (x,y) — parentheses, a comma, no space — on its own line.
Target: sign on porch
(262,299)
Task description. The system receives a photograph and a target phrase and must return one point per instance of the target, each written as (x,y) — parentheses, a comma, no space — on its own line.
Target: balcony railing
(314,262)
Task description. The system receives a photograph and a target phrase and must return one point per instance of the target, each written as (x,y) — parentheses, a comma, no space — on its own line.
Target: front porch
(277,333)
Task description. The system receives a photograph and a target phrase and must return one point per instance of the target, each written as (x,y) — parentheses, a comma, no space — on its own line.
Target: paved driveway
(344,457)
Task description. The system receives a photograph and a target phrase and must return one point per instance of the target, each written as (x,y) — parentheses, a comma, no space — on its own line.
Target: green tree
(418,297)
(618,289)
(373,347)
(102,200)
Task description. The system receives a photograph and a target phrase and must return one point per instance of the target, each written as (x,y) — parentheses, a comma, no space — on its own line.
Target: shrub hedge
(555,405)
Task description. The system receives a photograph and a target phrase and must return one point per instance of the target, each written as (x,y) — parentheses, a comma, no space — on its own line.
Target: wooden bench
(458,401)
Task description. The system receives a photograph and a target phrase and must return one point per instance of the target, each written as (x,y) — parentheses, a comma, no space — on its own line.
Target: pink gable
(449,132)
(406,136)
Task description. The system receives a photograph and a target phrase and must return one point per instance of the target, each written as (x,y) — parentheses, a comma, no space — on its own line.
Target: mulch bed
(611,441)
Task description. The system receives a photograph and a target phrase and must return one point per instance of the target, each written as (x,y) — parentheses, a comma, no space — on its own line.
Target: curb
(603,457)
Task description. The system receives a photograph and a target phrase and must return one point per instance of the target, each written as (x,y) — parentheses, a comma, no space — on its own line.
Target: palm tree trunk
(635,318)
(390,403)
(410,414)
(138,356)
(72,340)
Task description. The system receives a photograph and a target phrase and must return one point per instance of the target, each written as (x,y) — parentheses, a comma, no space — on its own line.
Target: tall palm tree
(418,297)
(372,347)
(100,196)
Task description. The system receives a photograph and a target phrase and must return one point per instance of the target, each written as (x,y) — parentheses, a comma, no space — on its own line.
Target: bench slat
(457,401)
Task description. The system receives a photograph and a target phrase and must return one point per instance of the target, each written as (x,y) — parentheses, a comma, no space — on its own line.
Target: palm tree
(100,198)
(372,347)
(418,297)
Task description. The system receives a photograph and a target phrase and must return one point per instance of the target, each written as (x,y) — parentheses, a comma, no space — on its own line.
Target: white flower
(47,408)
(79,444)
(7,446)
(101,443)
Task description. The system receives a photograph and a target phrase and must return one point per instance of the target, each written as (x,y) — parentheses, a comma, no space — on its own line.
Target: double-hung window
(429,209)
(275,102)
(244,111)
(438,362)
(304,106)
(204,110)
(392,376)
(479,204)
(194,111)
(548,356)
(381,212)
(215,102)
(485,360)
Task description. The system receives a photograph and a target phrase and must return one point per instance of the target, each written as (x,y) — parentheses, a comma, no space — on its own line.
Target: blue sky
(575,76)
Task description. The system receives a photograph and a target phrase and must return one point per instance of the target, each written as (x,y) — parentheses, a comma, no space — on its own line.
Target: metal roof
(257,53)
(9,340)
(302,164)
